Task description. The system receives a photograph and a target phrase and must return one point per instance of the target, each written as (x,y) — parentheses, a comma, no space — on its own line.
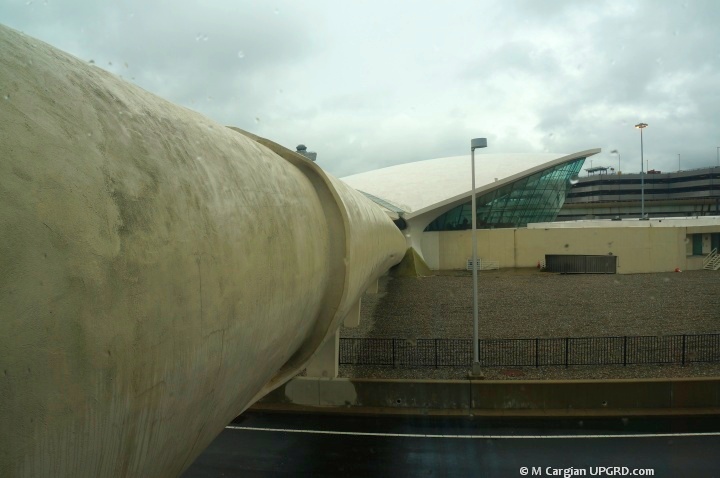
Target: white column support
(373,289)
(352,320)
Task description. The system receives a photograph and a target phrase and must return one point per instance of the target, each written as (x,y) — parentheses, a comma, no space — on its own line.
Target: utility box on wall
(580,264)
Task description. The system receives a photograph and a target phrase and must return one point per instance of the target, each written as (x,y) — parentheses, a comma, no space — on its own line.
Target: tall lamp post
(475,144)
(718,155)
(615,151)
(642,126)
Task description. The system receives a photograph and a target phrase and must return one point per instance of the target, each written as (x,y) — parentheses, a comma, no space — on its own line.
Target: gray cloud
(371,84)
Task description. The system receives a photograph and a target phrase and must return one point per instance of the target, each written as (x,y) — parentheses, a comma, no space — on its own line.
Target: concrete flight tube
(158,271)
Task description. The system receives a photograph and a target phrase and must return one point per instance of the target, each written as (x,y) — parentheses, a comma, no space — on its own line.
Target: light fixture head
(478,143)
(641,125)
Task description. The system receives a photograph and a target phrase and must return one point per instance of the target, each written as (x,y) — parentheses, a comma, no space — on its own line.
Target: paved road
(268,445)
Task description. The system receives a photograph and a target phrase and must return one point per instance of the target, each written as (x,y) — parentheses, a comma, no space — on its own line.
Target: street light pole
(615,151)
(678,161)
(642,126)
(718,155)
(474,144)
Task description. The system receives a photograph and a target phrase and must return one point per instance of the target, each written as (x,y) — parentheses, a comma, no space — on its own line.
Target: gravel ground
(526,303)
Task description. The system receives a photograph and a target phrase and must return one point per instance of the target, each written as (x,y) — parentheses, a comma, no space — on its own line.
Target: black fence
(403,353)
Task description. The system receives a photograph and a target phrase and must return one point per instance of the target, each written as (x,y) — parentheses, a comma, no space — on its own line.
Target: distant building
(612,196)
(302,149)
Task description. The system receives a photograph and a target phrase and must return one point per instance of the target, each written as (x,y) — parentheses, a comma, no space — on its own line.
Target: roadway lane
(267,445)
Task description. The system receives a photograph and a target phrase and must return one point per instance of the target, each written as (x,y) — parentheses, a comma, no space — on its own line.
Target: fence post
(625,351)
(436,353)
(683,349)
(537,352)
(567,351)
(393,354)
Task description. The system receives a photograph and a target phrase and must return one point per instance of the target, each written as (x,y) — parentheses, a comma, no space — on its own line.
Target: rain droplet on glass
(276,11)
(241,54)
(199,158)
(126,65)
(257,120)
(92,62)
(6,97)
(109,63)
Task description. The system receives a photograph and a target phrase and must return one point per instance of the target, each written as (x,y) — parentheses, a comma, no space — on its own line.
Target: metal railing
(538,352)
(712,260)
(483,265)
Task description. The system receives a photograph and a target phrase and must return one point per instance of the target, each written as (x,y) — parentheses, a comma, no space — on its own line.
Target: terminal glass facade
(536,198)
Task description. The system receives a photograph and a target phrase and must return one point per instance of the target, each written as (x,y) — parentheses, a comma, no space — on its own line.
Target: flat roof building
(694,192)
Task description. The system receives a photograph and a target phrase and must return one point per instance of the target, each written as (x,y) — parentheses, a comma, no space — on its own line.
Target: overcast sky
(375,83)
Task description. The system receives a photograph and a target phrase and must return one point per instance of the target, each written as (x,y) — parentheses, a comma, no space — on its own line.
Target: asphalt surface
(280,444)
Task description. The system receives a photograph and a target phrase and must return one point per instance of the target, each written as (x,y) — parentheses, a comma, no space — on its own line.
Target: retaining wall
(498,397)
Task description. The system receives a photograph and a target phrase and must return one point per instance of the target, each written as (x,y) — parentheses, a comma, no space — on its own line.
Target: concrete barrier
(499,397)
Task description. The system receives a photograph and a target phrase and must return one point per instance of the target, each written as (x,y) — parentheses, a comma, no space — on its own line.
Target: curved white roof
(422,185)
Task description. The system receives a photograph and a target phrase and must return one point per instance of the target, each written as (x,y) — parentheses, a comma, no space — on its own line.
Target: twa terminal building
(519,197)
(429,197)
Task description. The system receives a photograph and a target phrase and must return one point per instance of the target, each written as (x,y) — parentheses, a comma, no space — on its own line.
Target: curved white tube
(158,271)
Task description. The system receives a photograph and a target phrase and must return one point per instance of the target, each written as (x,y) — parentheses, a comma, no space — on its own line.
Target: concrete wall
(639,249)
(158,271)
(499,397)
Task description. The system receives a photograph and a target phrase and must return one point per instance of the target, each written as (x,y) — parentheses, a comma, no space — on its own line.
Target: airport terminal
(603,193)
(161,273)
(520,199)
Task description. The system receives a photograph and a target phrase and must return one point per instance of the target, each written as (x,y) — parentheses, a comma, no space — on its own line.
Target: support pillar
(324,363)
(373,289)
(352,320)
